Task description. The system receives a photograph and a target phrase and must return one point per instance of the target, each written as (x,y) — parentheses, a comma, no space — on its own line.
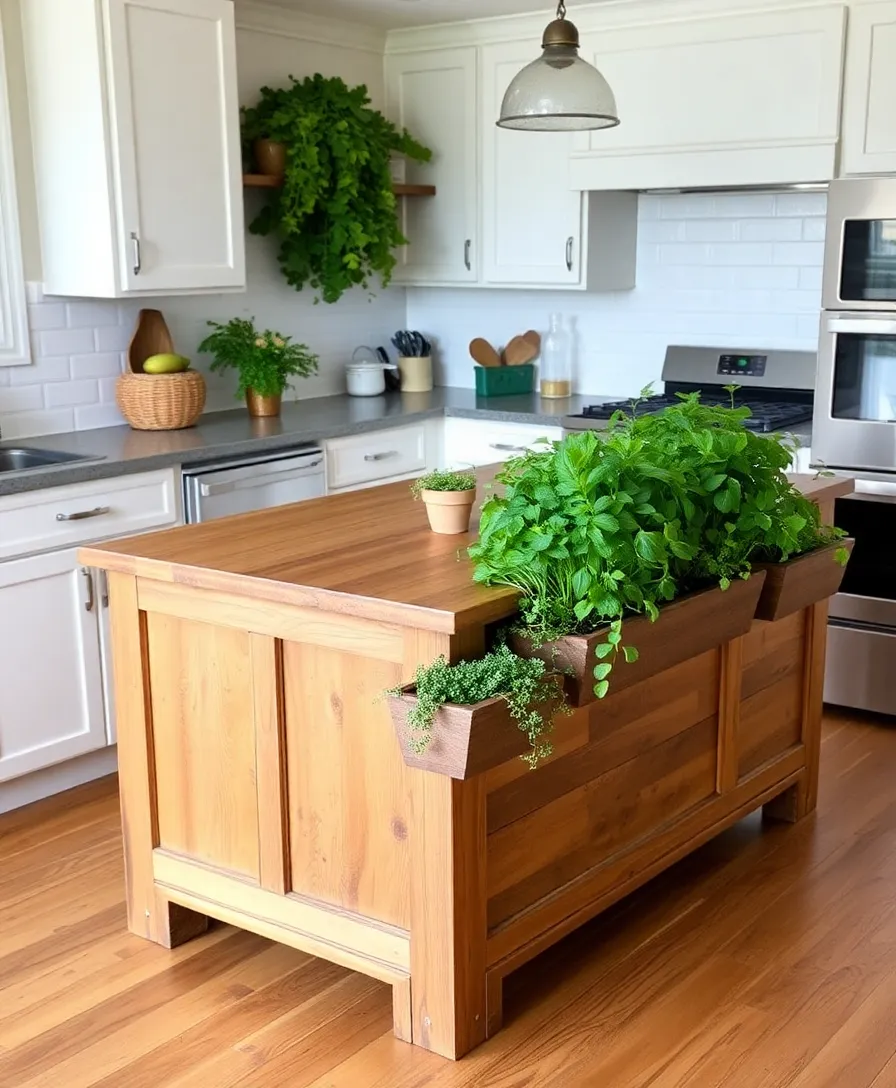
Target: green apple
(165,363)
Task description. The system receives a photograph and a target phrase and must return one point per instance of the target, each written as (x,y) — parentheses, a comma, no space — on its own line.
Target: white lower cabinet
(51,688)
(486,442)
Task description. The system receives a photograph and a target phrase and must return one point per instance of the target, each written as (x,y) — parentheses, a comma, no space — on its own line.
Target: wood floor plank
(765,960)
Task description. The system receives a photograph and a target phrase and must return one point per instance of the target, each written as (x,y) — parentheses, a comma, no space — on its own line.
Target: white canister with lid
(365,379)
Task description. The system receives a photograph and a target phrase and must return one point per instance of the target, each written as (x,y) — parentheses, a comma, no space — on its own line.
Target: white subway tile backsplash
(65,341)
(684,253)
(775,279)
(41,371)
(742,205)
(97,415)
(710,230)
(107,389)
(810,279)
(72,394)
(101,364)
(89,315)
(814,230)
(26,398)
(742,253)
(25,424)
(796,254)
(801,204)
(46,316)
(113,337)
(770,230)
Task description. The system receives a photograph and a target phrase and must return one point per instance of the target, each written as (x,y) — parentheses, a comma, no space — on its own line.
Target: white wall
(78,345)
(735,270)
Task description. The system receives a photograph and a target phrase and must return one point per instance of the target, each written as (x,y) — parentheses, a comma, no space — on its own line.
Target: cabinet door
(433,95)
(51,695)
(487,442)
(173,98)
(531,218)
(869,107)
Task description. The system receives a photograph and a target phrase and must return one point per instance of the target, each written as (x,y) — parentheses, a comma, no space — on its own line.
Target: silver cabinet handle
(380,456)
(80,515)
(274,475)
(91,601)
(104,589)
(135,242)
(569,242)
(505,448)
(468,244)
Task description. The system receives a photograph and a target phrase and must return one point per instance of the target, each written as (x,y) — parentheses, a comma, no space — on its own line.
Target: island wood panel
(772,691)
(346,782)
(538,854)
(202,704)
(608,733)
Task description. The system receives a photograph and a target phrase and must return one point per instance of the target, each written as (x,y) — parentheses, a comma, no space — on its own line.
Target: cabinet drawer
(486,442)
(380,455)
(78,513)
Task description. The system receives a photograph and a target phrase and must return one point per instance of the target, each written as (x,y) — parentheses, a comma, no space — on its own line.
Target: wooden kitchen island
(262,783)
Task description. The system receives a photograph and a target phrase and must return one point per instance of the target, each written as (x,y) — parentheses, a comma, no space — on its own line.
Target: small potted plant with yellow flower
(266,362)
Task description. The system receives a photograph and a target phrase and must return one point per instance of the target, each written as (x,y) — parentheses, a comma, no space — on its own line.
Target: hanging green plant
(336,212)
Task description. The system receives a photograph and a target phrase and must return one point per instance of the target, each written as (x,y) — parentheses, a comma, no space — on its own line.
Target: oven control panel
(742,366)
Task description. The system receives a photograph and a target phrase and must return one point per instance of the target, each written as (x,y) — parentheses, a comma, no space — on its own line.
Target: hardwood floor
(765,960)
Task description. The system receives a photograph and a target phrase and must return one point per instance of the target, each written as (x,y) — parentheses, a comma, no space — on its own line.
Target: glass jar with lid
(556,361)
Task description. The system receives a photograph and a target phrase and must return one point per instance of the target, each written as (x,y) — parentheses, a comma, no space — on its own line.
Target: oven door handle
(871,326)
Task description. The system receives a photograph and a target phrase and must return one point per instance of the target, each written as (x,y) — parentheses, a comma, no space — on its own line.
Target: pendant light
(559,92)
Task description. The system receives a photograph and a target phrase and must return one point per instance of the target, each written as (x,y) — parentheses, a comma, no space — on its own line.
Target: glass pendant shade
(559,91)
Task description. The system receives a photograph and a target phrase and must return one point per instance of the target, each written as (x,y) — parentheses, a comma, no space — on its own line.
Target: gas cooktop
(777,387)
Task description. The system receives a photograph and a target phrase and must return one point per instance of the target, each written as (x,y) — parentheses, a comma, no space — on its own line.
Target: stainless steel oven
(861,657)
(860,245)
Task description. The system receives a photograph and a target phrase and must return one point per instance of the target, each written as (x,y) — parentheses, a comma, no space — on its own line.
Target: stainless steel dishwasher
(240,485)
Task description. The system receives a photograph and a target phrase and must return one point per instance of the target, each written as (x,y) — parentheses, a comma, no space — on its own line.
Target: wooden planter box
(686,628)
(466,740)
(794,585)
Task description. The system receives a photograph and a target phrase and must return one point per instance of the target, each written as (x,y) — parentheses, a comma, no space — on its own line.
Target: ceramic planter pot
(792,586)
(270,157)
(686,628)
(449,512)
(260,406)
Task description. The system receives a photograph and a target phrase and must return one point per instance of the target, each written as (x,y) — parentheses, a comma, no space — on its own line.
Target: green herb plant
(444,481)
(598,528)
(532,693)
(335,214)
(264,360)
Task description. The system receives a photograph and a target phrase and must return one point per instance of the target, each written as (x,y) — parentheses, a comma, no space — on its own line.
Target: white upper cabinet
(715,100)
(434,95)
(869,105)
(531,218)
(144,194)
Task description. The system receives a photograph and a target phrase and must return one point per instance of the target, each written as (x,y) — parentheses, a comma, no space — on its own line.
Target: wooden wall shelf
(268,181)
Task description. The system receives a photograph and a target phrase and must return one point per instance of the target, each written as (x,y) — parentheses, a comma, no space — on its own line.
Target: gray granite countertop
(117,451)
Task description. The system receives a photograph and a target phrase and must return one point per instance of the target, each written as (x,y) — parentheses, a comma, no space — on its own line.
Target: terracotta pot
(262,406)
(270,157)
(449,512)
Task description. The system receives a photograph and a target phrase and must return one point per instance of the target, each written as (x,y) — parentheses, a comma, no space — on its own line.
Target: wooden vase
(261,407)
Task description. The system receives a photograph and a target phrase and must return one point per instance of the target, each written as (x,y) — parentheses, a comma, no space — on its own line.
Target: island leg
(150,914)
(801,798)
(448,914)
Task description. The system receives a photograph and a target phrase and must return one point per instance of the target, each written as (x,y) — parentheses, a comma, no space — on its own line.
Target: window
(14,345)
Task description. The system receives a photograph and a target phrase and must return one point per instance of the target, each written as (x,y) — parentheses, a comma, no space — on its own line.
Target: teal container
(504,381)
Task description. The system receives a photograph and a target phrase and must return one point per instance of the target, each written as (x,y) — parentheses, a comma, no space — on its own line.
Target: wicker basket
(161,402)
(157,402)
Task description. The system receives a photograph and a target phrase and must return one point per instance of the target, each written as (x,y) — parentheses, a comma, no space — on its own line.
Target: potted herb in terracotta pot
(265,361)
(449,498)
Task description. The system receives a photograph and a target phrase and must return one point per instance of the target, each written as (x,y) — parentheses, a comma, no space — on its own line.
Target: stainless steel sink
(21,458)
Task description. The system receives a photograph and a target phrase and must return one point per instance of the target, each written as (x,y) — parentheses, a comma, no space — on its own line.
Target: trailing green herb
(601,527)
(444,481)
(336,212)
(531,692)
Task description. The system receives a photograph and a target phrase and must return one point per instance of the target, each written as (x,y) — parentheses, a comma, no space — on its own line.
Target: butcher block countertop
(367,553)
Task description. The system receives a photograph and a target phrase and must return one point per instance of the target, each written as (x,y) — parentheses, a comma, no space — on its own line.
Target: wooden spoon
(519,351)
(151,337)
(483,353)
(534,338)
